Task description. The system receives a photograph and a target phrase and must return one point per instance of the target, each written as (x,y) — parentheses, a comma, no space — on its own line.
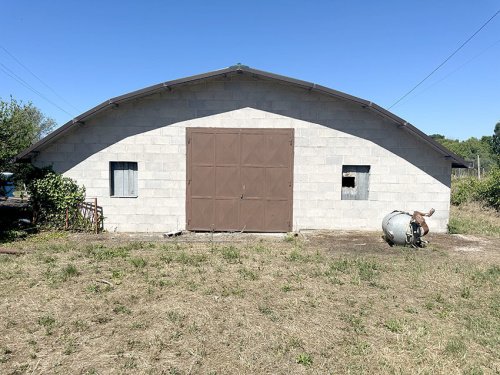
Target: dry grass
(332,303)
(473,218)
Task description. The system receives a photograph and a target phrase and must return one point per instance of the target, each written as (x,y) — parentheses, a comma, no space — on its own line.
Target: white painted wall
(405,174)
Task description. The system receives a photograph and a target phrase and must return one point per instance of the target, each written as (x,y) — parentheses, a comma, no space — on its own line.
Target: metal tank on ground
(405,229)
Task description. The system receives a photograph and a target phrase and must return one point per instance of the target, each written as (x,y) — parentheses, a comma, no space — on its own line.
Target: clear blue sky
(90,51)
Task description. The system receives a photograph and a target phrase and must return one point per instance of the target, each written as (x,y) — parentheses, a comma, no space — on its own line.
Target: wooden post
(66,224)
(95,216)
(478,168)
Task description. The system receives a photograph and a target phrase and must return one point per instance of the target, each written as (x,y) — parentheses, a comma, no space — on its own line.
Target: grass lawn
(331,303)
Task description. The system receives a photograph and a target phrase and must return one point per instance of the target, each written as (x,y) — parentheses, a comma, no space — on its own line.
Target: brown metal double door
(239,179)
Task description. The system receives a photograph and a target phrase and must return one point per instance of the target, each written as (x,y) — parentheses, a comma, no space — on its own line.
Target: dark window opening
(355,182)
(349,182)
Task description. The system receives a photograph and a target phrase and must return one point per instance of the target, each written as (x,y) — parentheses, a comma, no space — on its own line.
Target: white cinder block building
(245,150)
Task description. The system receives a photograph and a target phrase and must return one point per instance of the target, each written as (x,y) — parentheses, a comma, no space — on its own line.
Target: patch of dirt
(373,243)
(468,248)
(490,246)
(184,237)
(358,242)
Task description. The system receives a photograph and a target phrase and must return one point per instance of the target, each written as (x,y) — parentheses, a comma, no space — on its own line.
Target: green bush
(469,189)
(489,189)
(464,190)
(51,195)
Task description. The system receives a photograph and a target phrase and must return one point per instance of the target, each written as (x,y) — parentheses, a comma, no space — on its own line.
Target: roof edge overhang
(26,155)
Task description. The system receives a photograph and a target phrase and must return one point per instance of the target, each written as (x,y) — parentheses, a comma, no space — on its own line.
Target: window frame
(112,185)
(357,172)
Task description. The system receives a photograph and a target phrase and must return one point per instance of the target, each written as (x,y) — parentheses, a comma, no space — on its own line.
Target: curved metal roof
(456,160)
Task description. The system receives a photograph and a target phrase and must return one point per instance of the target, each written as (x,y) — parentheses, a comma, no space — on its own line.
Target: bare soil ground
(318,303)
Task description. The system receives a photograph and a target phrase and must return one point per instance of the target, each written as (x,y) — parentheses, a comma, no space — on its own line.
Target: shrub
(486,191)
(51,195)
(464,190)
(489,189)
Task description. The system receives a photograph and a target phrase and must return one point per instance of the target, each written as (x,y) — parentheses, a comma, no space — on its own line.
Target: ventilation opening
(355,182)
(348,182)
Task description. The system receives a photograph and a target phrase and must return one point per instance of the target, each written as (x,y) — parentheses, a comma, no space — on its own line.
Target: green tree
(437,136)
(21,125)
(471,148)
(495,142)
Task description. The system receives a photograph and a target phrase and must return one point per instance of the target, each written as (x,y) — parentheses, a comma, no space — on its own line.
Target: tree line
(468,188)
(487,148)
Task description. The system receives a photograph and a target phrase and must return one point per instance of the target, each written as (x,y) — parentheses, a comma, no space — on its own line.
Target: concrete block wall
(405,173)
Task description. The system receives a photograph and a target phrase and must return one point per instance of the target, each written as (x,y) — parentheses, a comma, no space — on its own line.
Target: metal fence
(468,172)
